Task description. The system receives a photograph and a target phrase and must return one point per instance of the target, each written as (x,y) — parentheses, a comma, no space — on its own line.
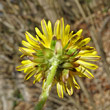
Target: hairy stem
(47,86)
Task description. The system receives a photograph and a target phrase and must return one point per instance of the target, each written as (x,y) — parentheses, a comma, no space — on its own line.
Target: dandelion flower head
(71,51)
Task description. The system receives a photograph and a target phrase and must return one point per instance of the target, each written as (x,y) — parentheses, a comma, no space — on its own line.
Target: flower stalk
(47,86)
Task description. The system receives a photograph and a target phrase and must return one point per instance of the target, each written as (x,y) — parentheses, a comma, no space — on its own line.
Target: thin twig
(49,10)
(94,35)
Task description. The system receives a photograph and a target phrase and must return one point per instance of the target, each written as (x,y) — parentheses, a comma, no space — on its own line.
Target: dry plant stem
(6,98)
(106,21)
(79,80)
(98,47)
(73,101)
(97,43)
(47,86)
(22,87)
(85,91)
(49,10)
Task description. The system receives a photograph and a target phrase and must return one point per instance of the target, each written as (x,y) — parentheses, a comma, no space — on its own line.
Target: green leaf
(39,60)
(70,51)
(48,53)
(39,53)
(53,43)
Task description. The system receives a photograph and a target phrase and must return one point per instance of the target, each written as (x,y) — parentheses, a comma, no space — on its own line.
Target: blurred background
(18,16)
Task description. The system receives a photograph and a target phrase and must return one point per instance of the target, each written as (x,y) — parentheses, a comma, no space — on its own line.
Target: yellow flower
(69,49)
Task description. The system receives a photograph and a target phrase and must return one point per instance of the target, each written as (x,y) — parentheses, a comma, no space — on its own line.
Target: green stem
(47,86)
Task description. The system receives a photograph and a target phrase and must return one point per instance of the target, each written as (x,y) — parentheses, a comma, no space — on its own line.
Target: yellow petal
(85,72)
(87,48)
(38,78)
(77,73)
(60,90)
(62,29)
(85,52)
(26,51)
(50,30)
(82,43)
(75,83)
(66,35)
(77,34)
(33,41)
(69,88)
(26,62)
(26,70)
(26,44)
(67,29)
(73,41)
(30,73)
(89,58)
(40,35)
(23,67)
(87,65)
(47,30)
(44,28)
(57,29)
(45,44)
